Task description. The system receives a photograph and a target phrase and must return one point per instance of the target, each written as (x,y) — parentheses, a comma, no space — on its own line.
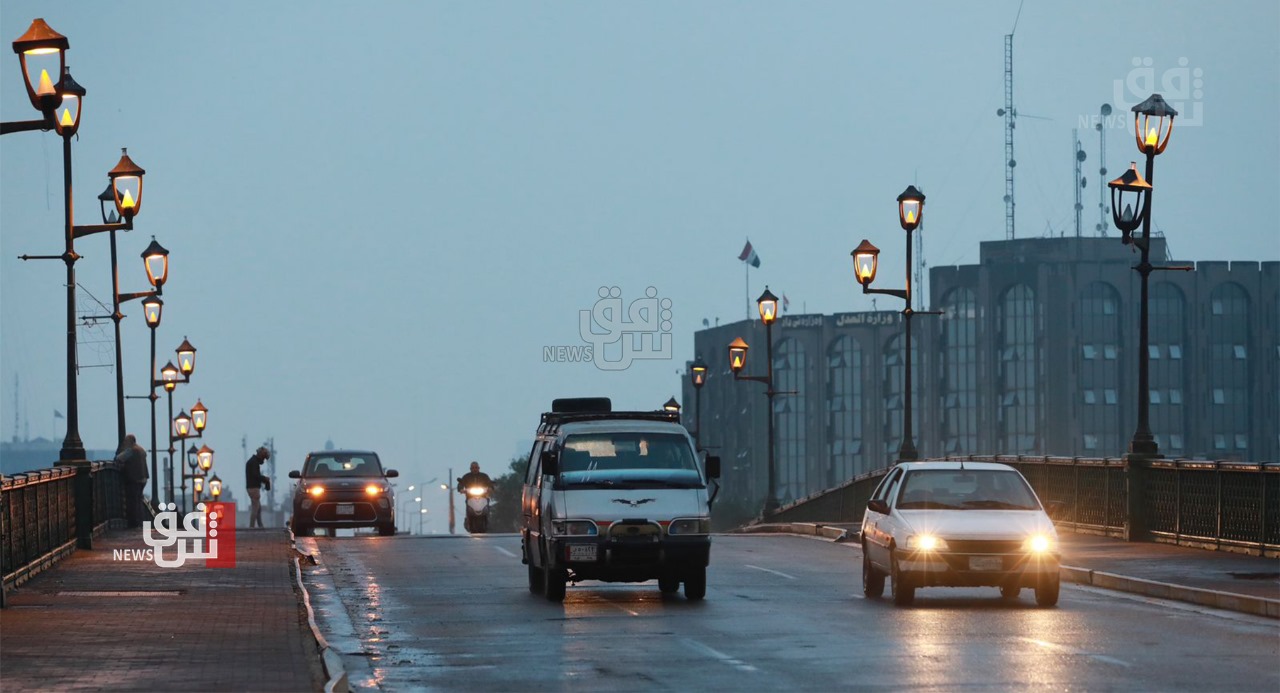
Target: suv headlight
(1040,543)
(374,489)
(689,525)
(925,542)
(574,528)
(316,490)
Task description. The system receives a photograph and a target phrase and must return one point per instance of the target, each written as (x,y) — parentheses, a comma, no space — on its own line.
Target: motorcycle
(477,518)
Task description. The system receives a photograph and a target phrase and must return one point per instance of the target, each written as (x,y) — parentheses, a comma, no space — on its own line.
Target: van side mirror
(551,462)
(295,474)
(713,467)
(391,474)
(878,506)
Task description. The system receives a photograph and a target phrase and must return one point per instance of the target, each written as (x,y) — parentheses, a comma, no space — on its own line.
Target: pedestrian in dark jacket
(254,482)
(133,459)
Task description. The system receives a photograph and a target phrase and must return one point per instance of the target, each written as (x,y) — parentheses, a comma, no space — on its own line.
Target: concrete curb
(1227,601)
(331,661)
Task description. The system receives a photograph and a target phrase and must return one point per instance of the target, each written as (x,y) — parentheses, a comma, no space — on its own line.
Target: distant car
(343,489)
(958,524)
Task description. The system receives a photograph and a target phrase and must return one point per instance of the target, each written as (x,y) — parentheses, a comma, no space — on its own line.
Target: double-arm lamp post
(192,426)
(865,261)
(1131,208)
(768,305)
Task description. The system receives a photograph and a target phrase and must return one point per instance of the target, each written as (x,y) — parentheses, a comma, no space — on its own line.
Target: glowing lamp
(865,259)
(698,372)
(1153,124)
(737,355)
(204,458)
(67,116)
(181,425)
(910,208)
(1129,197)
(197,485)
(215,487)
(151,309)
(41,51)
(186,358)
(170,376)
(671,406)
(768,304)
(199,416)
(126,183)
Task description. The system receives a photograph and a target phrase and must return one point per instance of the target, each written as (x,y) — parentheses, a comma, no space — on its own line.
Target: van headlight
(1040,543)
(574,528)
(689,525)
(925,542)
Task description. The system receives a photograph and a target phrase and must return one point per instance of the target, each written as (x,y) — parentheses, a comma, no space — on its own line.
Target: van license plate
(346,508)
(582,552)
(986,563)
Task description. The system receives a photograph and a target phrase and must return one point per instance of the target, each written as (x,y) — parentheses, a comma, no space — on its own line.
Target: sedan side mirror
(878,506)
(713,467)
(550,462)
(295,474)
(391,474)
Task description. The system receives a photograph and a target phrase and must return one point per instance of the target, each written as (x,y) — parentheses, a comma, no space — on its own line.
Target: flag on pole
(57,414)
(786,302)
(748,255)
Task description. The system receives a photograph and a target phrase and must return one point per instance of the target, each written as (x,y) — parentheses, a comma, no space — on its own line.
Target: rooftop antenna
(1010,115)
(1079,180)
(1103,210)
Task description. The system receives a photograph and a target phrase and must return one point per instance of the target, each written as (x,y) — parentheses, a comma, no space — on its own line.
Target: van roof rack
(552,418)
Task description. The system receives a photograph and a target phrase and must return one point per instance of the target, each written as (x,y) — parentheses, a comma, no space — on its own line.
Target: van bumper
(630,561)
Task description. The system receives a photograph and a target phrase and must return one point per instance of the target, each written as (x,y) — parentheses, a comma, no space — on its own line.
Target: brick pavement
(241,628)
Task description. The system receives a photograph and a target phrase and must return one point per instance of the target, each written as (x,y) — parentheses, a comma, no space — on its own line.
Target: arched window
(1166,367)
(959,396)
(788,374)
(1100,355)
(1228,369)
(894,403)
(1018,371)
(844,411)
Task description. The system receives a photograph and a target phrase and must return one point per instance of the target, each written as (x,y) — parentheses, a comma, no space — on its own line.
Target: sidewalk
(96,622)
(1219,579)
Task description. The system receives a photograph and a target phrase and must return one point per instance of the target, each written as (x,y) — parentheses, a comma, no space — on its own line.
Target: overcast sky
(380,213)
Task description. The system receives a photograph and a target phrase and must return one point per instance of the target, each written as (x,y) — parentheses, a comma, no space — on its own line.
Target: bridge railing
(1221,505)
(46,514)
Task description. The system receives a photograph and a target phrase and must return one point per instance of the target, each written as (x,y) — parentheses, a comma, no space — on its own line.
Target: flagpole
(747,291)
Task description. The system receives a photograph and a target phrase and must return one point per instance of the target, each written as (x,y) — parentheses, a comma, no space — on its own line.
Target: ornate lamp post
(42,52)
(865,262)
(698,374)
(1131,207)
(215,487)
(768,306)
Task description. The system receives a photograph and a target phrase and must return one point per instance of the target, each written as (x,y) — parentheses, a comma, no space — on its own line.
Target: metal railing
(45,514)
(1220,505)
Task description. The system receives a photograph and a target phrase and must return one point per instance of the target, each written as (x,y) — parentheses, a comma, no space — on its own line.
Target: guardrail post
(84,503)
(1137,474)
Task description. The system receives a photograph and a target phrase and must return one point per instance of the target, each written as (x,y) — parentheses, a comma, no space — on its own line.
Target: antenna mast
(1103,211)
(1010,115)
(1078,181)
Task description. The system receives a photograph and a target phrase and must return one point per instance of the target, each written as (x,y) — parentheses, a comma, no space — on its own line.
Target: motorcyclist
(475,478)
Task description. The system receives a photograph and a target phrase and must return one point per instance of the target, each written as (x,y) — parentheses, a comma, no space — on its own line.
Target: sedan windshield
(981,489)
(342,465)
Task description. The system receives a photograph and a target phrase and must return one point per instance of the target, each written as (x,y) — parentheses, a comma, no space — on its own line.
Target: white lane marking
(767,570)
(1073,651)
(629,611)
(505,552)
(716,654)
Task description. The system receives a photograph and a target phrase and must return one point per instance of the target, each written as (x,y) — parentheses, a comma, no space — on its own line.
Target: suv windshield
(980,489)
(629,458)
(344,464)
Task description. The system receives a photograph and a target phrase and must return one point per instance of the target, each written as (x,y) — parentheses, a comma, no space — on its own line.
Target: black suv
(343,489)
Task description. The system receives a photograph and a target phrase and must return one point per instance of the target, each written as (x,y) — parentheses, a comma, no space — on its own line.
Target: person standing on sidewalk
(254,482)
(133,459)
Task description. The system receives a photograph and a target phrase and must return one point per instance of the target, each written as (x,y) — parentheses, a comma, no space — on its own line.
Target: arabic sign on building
(792,322)
(876,318)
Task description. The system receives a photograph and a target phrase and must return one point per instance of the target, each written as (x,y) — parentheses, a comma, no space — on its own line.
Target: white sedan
(958,524)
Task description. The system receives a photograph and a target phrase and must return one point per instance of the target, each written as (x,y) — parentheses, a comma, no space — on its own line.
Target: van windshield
(632,459)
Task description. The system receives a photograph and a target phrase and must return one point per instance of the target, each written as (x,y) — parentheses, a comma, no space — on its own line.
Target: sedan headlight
(1040,543)
(574,528)
(689,525)
(925,542)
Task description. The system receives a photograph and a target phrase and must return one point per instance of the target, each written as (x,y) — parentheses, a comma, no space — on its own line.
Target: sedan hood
(979,524)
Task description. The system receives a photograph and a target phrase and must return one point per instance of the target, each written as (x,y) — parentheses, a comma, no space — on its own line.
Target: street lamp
(170,377)
(671,406)
(215,487)
(698,374)
(1131,206)
(42,52)
(768,306)
(866,259)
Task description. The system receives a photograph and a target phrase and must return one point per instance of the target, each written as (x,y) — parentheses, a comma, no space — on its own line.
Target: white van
(616,497)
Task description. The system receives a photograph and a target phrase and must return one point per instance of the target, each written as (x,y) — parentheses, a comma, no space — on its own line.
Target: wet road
(781,613)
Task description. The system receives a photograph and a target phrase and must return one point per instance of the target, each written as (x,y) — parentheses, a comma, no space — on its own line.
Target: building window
(1242,442)
(1219,396)
(1175,441)
(1090,397)
(794,480)
(1109,396)
(1226,368)
(1153,351)
(1238,349)
(1175,396)
(1089,352)
(959,368)
(1175,351)
(844,406)
(1018,324)
(1155,396)
(1109,352)
(1090,442)
(1219,441)
(1098,320)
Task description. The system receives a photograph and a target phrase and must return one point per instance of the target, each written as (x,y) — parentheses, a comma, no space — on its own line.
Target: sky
(385,217)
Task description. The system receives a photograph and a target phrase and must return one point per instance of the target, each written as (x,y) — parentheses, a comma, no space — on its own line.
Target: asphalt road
(781,613)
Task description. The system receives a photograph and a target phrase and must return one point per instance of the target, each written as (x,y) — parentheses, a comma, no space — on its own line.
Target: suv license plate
(346,509)
(582,552)
(986,563)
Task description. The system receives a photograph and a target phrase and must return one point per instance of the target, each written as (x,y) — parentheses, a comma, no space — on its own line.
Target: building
(1034,353)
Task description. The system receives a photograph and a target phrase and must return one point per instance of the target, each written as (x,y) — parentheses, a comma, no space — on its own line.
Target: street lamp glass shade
(910,208)
(126,180)
(768,304)
(1129,195)
(199,416)
(107,203)
(698,372)
(215,486)
(197,484)
(737,355)
(205,457)
(156,259)
(191,457)
(152,307)
(186,357)
(42,53)
(67,116)
(182,425)
(169,375)
(672,406)
(865,259)
(1153,124)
